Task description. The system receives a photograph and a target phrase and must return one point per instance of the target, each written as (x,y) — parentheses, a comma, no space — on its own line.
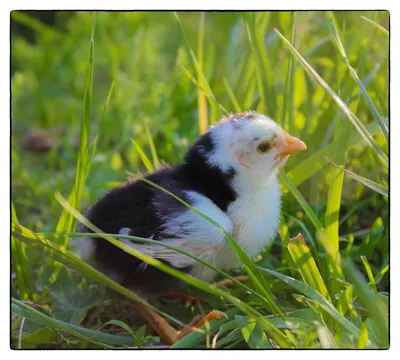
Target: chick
(229,174)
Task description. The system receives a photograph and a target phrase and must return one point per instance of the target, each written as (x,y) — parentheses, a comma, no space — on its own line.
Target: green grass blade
(303,203)
(229,90)
(82,170)
(376,25)
(363,90)
(345,302)
(288,98)
(105,108)
(201,98)
(145,160)
(380,274)
(341,139)
(369,183)
(369,273)
(360,127)
(306,231)
(156,161)
(305,262)
(363,338)
(67,222)
(108,98)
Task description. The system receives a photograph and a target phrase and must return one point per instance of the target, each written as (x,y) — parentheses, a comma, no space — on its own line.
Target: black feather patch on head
(207,179)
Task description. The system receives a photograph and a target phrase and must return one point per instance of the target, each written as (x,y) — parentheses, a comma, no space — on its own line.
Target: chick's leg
(166,332)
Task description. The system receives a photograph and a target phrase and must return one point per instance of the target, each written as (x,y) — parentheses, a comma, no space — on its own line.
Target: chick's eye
(263,147)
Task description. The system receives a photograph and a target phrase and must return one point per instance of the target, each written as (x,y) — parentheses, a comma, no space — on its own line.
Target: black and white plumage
(229,174)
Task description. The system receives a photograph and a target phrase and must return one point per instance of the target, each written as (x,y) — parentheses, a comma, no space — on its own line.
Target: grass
(120,93)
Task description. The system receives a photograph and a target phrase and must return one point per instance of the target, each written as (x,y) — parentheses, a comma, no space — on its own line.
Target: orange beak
(290,145)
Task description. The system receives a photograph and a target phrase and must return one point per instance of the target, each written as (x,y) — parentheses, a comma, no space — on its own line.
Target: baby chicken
(229,174)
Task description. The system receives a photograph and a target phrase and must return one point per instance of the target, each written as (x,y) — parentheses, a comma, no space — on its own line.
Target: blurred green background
(144,75)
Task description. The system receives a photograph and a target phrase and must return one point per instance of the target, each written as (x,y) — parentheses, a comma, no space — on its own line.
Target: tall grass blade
(341,138)
(369,273)
(146,161)
(300,199)
(305,262)
(363,90)
(376,25)
(369,183)
(288,97)
(102,132)
(108,98)
(345,302)
(306,231)
(201,98)
(231,94)
(67,222)
(381,273)
(363,338)
(156,161)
